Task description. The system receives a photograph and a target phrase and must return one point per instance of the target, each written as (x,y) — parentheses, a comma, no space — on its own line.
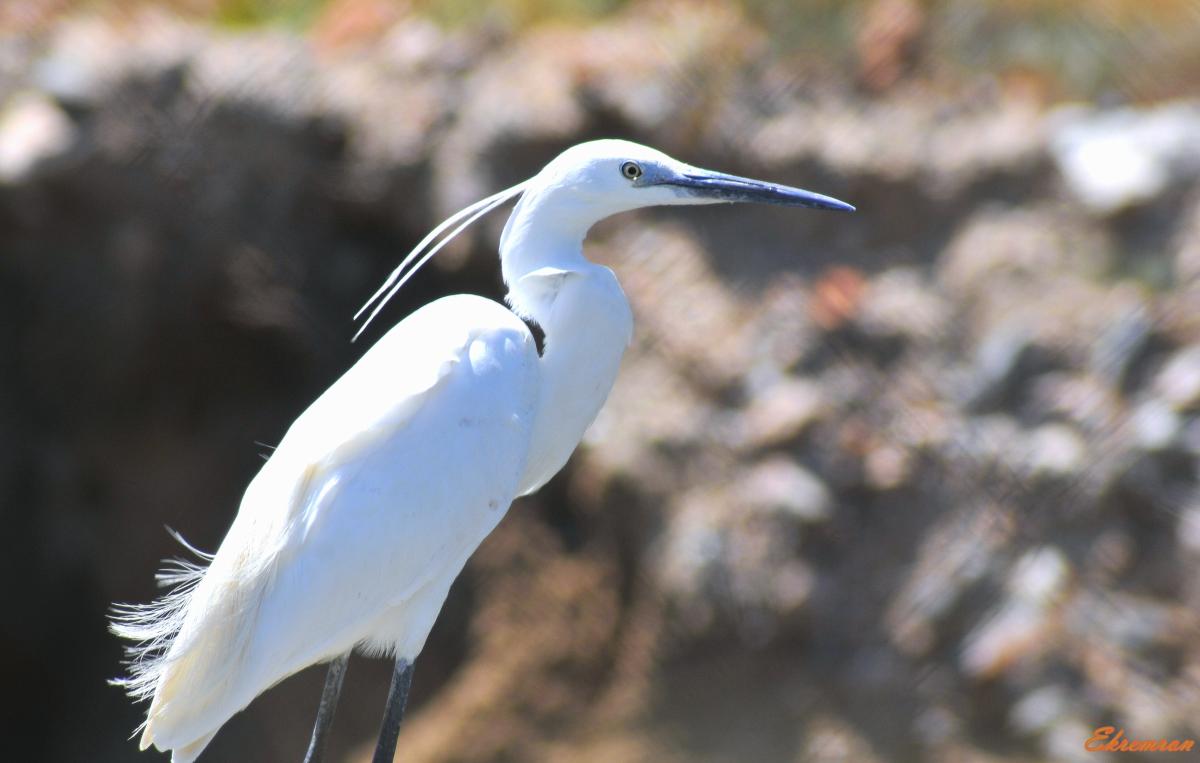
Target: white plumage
(360,484)
(354,529)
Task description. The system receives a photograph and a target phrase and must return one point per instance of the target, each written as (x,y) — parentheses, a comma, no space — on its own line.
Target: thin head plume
(399,276)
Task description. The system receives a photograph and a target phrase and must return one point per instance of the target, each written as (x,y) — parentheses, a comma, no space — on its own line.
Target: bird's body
(363,473)
(353,531)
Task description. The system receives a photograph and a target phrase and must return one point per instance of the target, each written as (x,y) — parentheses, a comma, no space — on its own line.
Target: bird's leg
(397,698)
(329,700)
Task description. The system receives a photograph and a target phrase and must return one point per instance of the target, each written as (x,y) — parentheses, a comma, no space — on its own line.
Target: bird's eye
(631,170)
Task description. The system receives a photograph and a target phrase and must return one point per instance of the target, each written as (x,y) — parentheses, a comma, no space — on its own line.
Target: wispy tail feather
(154,627)
(189,645)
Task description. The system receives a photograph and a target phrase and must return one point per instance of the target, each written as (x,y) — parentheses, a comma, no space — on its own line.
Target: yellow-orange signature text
(1112,739)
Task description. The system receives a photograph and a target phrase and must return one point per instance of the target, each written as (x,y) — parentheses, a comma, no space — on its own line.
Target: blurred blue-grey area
(918,483)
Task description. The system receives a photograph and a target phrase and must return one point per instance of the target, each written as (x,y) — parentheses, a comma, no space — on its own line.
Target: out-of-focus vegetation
(1058,49)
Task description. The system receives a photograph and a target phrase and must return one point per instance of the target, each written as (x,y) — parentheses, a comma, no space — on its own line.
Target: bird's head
(583,185)
(604,177)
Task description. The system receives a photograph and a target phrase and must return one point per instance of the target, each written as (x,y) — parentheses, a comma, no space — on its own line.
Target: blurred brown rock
(888,41)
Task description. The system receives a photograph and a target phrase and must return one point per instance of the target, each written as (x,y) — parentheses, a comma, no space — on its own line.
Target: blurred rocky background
(914,484)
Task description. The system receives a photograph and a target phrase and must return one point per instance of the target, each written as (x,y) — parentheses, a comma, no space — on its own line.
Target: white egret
(351,534)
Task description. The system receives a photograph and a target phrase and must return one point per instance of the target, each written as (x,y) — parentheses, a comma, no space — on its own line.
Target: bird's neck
(587,323)
(539,238)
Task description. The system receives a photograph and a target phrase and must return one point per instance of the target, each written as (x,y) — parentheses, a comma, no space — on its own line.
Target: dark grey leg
(329,700)
(402,675)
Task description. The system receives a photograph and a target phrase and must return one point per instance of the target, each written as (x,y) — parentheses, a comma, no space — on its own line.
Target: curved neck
(586,319)
(543,234)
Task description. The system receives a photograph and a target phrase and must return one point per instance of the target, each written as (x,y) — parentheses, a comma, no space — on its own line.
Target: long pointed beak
(717,186)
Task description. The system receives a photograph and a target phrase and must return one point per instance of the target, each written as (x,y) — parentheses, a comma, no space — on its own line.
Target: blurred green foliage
(1078,48)
(297,14)
(300,14)
(456,13)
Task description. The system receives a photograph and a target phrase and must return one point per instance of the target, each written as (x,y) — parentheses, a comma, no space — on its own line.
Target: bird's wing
(383,487)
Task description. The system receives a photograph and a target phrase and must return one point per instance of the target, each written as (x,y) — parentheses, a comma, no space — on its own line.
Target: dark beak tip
(836,205)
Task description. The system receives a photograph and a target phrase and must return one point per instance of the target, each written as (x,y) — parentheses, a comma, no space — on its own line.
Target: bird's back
(356,525)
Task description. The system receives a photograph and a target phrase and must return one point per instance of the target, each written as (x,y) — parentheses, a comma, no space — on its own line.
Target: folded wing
(355,526)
